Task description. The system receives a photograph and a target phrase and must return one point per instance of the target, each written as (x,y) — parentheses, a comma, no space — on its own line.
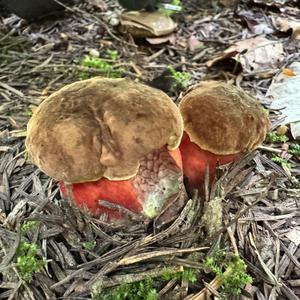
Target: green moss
(28,261)
(105,68)
(189,275)
(231,272)
(168,12)
(294,149)
(140,290)
(281,161)
(144,289)
(89,245)
(113,54)
(181,79)
(273,137)
(29,225)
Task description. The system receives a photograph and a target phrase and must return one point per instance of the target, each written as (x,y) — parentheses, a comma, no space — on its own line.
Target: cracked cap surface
(101,127)
(222,118)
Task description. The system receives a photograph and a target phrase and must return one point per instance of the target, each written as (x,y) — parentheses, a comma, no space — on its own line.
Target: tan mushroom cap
(146,24)
(101,127)
(222,118)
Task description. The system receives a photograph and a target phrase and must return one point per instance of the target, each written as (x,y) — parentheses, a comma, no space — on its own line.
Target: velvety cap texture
(101,127)
(222,118)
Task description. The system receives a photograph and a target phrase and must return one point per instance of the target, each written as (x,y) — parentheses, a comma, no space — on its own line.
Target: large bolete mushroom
(111,139)
(221,122)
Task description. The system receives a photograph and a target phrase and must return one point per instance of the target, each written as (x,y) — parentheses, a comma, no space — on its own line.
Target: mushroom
(221,122)
(142,24)
(109,139)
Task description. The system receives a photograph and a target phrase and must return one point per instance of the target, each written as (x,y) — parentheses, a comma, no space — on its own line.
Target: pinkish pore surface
(159,178)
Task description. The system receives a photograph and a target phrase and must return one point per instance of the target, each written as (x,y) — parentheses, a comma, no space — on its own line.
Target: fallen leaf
(258,56)
(291,11)
(294,236)
(288,72)
(258,23)
(284,92)
(277,3)
(194,43)
(285,25)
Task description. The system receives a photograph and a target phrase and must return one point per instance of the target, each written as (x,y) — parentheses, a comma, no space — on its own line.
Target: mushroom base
(196,161)
(158,180)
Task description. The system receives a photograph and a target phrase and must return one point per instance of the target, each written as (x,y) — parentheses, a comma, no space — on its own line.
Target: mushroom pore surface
(101,127)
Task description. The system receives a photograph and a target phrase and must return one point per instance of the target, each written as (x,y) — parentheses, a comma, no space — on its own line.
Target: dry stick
(145,256)
(285,249)
(239,214)
(234,220)
(233,241)
(138,258)
(76,9)
(129,278)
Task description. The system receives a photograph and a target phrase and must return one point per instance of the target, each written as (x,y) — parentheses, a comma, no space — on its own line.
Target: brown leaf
(289,24)
(194,43)
(256,22)
(277,3)
(257,55)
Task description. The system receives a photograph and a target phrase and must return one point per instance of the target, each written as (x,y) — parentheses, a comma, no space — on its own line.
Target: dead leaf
(284,92)
(277,3)
(194,43)
(288,72)
(294,236)
(258,56)
(285,25)
(258,23)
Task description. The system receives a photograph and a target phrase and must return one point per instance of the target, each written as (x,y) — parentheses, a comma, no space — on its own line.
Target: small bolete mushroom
(111,139)
(221,122)
(143,24)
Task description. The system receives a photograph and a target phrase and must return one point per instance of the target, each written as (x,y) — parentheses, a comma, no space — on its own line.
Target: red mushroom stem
(196,161)
(130,194)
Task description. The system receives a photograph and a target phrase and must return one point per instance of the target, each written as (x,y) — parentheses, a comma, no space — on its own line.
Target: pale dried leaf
(289,24)
(284,92)
(294,236)
(256,55)
(258,23)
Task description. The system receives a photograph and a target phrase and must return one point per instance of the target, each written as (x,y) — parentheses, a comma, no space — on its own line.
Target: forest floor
(51,250)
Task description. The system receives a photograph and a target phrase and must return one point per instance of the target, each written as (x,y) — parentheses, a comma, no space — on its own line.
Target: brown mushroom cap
(146,24)
(101,127)
(222,118)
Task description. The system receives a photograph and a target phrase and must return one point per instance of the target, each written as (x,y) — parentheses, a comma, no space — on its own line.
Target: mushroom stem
(88,194)
(196,160)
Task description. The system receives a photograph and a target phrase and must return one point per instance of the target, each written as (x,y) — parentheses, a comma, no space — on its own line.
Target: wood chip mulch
(260,200)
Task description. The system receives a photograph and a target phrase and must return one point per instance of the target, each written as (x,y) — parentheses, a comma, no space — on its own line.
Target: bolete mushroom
(143,24)
(221,122)
(111,139)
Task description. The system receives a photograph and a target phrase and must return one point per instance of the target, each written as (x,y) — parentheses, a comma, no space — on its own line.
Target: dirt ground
(84,256)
